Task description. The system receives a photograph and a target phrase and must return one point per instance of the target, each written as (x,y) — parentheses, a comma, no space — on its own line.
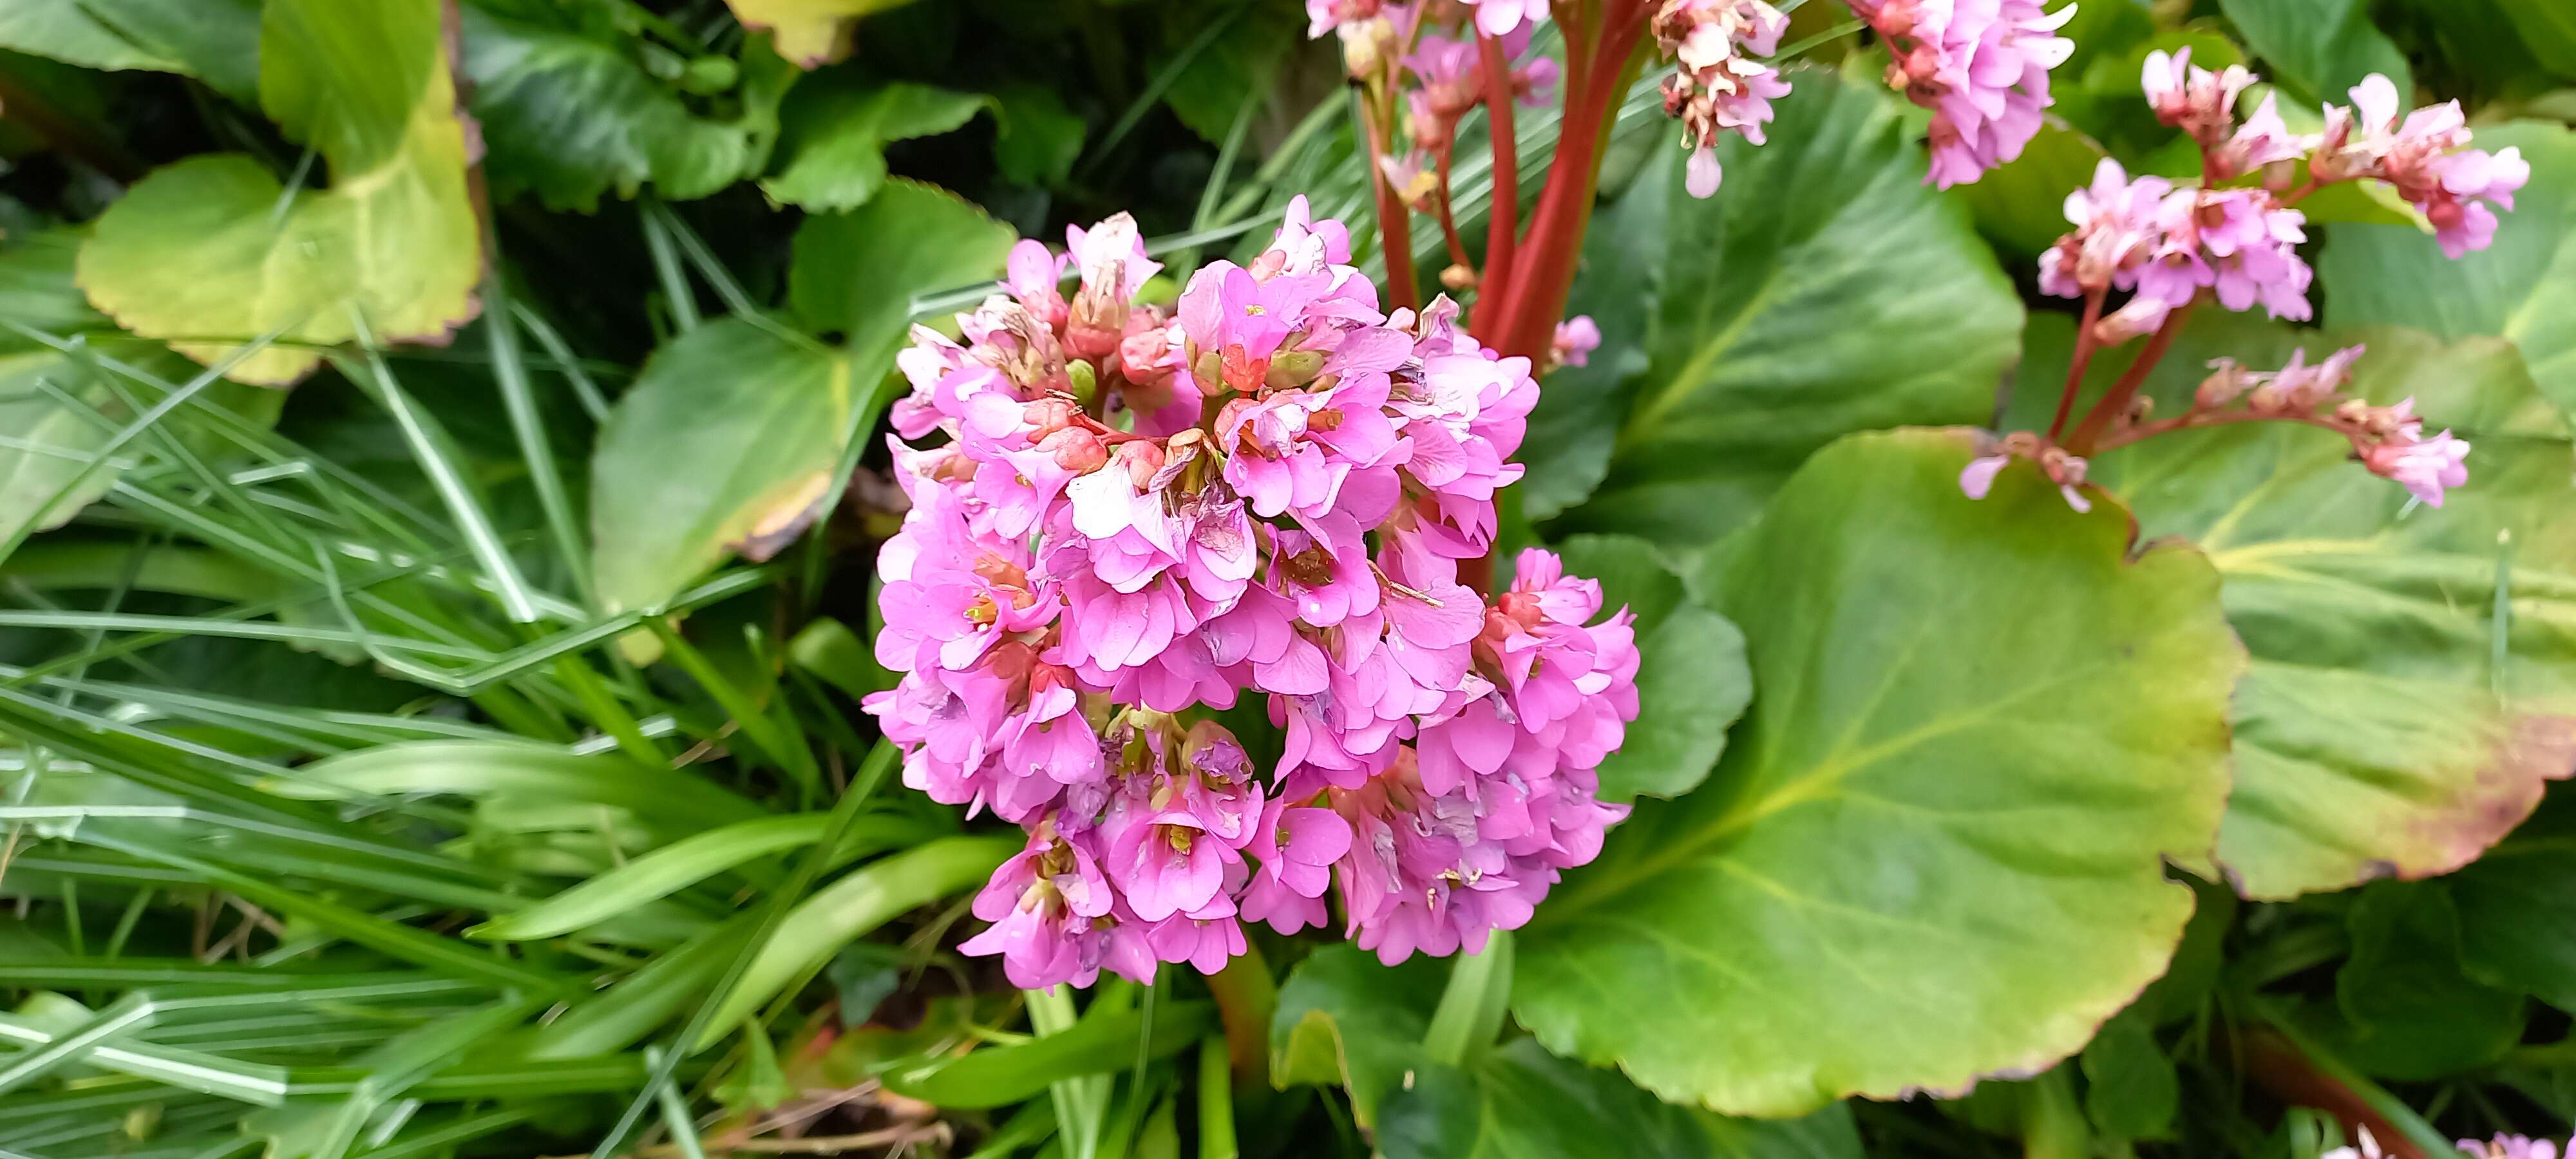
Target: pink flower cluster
(1451,75)
(2169,244)
(1718,86)
(2203,105)
(2388,440)
(1981,66)
(2426,157)
(1135,517)
(2509,1147)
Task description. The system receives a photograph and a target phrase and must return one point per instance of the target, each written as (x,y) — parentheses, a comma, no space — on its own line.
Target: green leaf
(216,41)
(1692,681)
(1104,1042)
(213,248)
(2375,734)
(2318,48)
(1521,1102)
(2130,1088)
(726,443)
(1775,335)
(855,273)
(2548,31)
(832,151)
(2522,288)
(2406,1009)
(519,770)
(66,30)
(1344,1020)
(1036,139)
(846,910)
(1238,65)
(2020,203)
(684,863)
(1933,850)
(810,33)
(2517,908)
(1826,1134)
(569,115)
(46,442)
(829,649)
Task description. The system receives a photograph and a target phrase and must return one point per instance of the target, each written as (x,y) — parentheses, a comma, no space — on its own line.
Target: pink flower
(2117,233)
(1325,15)
(1497,17)
(1576,338)
(1297,848)
(1718,86)
(1167,863)
(2510,1147)
(2426,157)
(2425,467)
(1043,904)
(1981,66)
(1111,259)
(2065,470)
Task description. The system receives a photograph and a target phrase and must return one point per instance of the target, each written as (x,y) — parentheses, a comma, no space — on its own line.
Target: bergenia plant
(1128,522)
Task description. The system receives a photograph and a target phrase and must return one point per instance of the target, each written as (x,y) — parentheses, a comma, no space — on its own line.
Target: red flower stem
(1535,296)
(2216,418)
(2085,345)
(1504,218)
(1448,218)
(1395,228)
(2116,403)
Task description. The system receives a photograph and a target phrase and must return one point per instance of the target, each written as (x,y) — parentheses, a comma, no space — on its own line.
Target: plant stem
(1449,222)
(1526,320)
(2213,418)
(1395,231)
(1245,996)
(2116,403)
(1503,218)
(2294,1070)
(2085,345)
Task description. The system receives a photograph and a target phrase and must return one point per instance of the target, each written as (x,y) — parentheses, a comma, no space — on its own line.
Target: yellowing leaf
(810,32)
(212,251)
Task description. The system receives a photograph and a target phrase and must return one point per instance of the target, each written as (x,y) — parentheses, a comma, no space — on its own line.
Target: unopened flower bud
(1086,381)
(1366,45)
(1458,277)
(1075,450)
(1142,460)
(1293,368)
(2222,387)
(1048,415)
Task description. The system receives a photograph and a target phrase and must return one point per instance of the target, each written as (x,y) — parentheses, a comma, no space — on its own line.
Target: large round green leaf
(1824,290)
(1934,848)
(2414,675)
(2522,288)
(213,247)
